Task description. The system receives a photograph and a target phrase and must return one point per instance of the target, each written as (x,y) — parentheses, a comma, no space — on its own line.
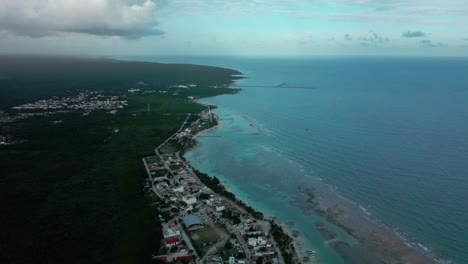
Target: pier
(281,85)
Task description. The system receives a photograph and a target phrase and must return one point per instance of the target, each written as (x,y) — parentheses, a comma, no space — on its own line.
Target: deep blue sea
(389,134)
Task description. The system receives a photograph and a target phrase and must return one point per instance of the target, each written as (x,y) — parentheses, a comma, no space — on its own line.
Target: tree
(228,245)
(174,249)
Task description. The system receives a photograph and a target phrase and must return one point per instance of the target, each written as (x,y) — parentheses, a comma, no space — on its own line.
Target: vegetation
(204,238)
(214,184)
(283,240)
(73,192)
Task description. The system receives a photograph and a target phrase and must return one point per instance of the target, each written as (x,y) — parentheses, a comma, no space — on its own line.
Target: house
(172,241)
(133,90)
(172,223)
(252,241)
(179,189)
(182,258)
(183,249)
(189,200)
(169,232)
(219,207)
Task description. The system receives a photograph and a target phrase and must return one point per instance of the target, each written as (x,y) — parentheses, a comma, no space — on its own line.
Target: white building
(189,200)
(170,232)
(133,90)
(219,207)
(256,241)
(179,189)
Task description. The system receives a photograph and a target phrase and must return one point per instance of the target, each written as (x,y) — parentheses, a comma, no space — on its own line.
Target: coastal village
(201,221)
(200,225)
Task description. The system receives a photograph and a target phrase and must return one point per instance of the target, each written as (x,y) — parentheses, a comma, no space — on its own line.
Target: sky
(235,27)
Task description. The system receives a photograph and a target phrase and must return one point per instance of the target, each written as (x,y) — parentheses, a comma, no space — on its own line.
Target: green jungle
(73,192)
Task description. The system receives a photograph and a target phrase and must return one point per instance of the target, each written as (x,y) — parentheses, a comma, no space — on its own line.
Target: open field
(152,159)
(204,238)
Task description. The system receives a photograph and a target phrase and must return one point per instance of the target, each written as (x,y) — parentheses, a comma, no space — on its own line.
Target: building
(189,200)
(256,241)
(172,241)
(179,189)
(133,90)
(182,258)
(219,207)
(170,232)
(193,222)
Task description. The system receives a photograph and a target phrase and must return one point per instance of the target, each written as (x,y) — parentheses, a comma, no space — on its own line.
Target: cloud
(373,39)
(414,34)
(429,44)
(129,19)
(348,37)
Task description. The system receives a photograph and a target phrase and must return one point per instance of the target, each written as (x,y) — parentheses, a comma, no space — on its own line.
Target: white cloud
(124,18)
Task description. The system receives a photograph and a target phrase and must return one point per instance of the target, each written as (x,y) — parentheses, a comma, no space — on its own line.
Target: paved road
(156,150)
(153,187)
(189,244)
(227,224)
(230,228)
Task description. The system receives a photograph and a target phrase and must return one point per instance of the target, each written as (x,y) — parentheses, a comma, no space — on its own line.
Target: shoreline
(370,235)
(298,245)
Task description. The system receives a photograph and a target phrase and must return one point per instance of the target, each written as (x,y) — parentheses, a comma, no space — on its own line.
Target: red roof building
(188,257)
(172,241)
(172,223)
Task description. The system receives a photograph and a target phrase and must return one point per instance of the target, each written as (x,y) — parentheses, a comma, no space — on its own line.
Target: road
(153,187)
(226,223)
(156,150)
(189,244)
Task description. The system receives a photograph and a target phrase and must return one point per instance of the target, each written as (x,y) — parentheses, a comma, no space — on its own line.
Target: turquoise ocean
(388,134)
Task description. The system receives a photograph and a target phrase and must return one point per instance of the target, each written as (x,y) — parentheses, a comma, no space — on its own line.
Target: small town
(199,225)
(87,102)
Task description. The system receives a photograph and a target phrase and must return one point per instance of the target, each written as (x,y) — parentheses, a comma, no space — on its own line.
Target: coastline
(383,244)
(298,252)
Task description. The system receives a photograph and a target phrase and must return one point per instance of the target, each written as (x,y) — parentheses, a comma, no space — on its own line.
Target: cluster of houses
(190,205)
(182,86)
(4,140)
(87,101)
(176,249)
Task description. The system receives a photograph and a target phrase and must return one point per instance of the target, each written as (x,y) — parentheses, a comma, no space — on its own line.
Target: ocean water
(389,134)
